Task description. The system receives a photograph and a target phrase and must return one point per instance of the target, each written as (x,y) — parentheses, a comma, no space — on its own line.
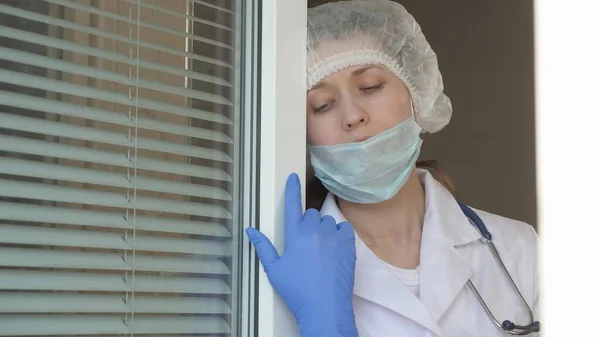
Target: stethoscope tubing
(506,326)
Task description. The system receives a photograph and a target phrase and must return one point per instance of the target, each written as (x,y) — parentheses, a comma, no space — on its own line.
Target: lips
(362,139)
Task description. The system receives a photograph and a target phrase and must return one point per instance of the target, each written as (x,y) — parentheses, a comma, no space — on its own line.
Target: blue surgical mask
(370,171)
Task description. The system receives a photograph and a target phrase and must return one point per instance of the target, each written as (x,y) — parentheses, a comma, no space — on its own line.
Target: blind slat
(12,279)
(83,28)
(84,303)
(47,84)
(58,237)
(73,110)
(35,191)
(50,128)
(33,169)
(63,151)
(135,22)
(69,259)
(23,325)
(52,42)
(100,219)
(103,74)
(222,9)
(180,15)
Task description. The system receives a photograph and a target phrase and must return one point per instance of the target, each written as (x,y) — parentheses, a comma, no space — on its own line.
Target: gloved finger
(327,224)
(267,254)
(293,204)
(346,229)
(311,221)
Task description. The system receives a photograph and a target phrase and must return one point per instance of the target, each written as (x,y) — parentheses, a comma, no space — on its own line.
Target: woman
(403,267)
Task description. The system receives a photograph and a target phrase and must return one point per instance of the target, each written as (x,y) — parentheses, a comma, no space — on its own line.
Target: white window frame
(568,157)
(282,143)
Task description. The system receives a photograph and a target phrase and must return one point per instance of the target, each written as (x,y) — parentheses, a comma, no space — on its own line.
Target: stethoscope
(507,325)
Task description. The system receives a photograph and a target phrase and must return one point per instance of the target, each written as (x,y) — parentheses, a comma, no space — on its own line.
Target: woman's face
(354,104)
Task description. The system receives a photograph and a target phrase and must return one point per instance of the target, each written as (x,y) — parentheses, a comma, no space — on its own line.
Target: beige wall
(485,51)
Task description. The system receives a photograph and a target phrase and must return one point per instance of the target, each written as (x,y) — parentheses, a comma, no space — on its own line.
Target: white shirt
(408,277)
(451,254)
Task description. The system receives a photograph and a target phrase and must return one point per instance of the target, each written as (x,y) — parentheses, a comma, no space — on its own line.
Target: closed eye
(323,107)
(372,89)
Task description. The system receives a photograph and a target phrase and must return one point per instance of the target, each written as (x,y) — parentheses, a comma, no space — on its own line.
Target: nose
(353,116)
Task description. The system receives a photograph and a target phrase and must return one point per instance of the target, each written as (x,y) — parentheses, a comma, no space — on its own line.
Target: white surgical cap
(351,33)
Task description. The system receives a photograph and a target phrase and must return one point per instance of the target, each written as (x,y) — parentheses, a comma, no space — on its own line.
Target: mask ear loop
(412,112)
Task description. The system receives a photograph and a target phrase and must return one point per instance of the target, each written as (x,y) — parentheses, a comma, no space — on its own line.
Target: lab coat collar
(443,271)
(375,282)
(442,213)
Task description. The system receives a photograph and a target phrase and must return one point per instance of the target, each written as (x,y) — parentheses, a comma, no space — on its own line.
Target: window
(127,166)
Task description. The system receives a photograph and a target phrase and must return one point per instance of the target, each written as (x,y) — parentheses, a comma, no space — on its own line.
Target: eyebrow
(356,72)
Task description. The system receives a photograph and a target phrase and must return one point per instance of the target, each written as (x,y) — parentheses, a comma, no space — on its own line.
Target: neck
(392,229)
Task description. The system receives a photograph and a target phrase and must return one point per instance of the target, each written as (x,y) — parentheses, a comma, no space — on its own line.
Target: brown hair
(316,192)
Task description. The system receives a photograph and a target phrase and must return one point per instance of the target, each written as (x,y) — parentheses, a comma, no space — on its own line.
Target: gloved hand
(315,275)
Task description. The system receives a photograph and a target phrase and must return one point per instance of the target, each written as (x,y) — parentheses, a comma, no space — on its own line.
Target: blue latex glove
(315,275)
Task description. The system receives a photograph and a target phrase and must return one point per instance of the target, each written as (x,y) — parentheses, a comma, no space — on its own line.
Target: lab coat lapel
(443,271)
(375,282)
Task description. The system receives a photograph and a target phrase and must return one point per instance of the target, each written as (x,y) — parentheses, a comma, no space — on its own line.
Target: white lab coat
(451,254)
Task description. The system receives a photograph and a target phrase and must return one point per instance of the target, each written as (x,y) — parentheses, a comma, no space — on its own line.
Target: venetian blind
(119,167)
